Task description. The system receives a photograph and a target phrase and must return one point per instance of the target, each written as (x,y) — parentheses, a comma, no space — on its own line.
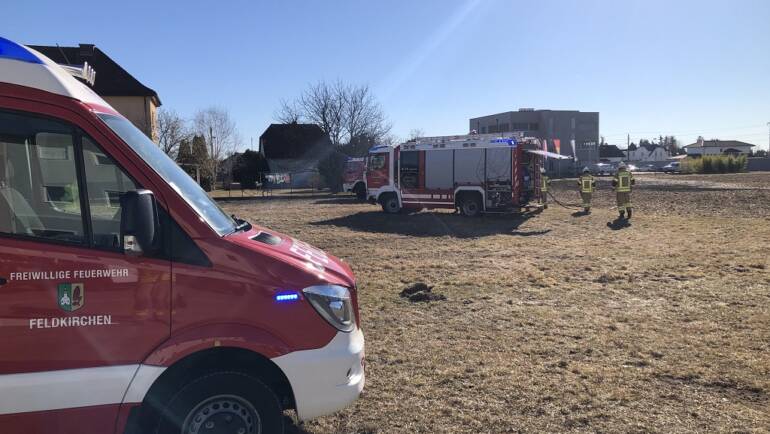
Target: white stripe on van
(74,388)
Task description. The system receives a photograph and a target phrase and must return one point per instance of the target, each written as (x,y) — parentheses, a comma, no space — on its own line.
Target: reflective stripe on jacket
(587,184)
(544,181)
(624,180)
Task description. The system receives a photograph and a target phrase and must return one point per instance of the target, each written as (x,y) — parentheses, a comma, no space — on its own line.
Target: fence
(758,164)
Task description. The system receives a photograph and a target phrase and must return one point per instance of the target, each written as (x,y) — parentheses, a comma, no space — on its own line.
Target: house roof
(610,151)
(111,78)
(287,141)
(719,144)
(650,148)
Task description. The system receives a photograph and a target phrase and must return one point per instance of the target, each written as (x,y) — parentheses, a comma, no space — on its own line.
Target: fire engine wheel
(223,403)
(470,205)
(390,204)
(360,191)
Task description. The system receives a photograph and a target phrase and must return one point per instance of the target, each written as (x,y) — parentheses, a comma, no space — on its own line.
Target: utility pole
(768,138)
(211,141)
(213,160)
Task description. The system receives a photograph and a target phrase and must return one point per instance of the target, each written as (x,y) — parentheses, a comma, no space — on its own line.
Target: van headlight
(333,303)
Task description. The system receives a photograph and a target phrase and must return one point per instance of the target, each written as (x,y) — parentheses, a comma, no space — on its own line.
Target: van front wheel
(223,402)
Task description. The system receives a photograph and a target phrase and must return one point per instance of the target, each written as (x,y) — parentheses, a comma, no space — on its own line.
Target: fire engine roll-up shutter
(469,166)
(499,164)
(438,169)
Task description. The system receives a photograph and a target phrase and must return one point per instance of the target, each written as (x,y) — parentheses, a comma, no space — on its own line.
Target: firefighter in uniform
(587,184)
(545,181)
(622,184)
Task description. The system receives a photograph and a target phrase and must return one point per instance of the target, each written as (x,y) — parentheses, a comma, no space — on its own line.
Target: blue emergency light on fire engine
(14,51)
(286,296)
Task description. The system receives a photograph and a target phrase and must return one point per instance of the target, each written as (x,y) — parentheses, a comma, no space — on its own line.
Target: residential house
(718,147)
(295,150)
(647,153)
(611,154)
(137,102)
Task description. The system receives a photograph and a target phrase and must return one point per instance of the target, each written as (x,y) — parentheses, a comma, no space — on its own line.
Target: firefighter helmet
(586,170)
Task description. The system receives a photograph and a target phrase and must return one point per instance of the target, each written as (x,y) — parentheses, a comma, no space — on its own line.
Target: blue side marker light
(284,297)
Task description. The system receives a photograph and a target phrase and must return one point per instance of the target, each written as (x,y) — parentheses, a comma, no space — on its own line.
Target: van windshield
(180,181)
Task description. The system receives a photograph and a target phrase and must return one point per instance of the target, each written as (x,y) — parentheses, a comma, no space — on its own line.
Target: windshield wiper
(241,224)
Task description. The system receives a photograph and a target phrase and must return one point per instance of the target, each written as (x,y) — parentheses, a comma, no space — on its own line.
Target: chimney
(86,51)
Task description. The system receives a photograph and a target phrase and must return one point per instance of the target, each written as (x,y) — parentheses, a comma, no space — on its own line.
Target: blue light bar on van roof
(14,51)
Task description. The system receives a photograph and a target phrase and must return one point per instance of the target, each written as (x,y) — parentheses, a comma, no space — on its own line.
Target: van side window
(105,183)
(39,192)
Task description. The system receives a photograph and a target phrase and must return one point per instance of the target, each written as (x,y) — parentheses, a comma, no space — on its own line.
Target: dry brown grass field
(557,322)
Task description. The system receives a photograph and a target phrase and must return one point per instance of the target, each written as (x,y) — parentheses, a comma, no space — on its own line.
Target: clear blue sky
(649,67)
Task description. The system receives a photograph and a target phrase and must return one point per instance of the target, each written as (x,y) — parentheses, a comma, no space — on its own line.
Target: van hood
(297,253)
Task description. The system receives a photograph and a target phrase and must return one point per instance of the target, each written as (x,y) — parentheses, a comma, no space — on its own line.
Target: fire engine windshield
(170,171)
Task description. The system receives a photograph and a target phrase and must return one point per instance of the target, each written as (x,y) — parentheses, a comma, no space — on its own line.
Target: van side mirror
(139,222)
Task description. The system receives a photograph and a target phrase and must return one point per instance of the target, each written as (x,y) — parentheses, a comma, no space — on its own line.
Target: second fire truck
(475,174)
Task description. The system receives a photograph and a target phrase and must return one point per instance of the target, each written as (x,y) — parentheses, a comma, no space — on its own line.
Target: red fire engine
(353,179)
(130,301)
(477,173)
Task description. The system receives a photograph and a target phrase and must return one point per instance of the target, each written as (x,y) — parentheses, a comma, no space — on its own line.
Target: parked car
(672,168)
(603,169)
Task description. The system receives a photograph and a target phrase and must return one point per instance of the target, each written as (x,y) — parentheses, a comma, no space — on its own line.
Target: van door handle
(3,281)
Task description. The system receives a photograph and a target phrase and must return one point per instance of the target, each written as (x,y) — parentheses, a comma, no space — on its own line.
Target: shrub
(331,169)
(714,164)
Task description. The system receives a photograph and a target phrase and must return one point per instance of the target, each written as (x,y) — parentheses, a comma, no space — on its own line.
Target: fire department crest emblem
(71,296)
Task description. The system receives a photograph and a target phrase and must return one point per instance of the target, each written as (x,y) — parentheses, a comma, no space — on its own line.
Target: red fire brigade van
(130,302)
(353,179)
(476,173)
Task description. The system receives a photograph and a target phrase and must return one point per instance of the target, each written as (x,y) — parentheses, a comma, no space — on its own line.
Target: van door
(77,316)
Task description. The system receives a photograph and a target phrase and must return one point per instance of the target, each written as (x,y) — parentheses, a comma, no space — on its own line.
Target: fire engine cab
(476,173)
(129,301)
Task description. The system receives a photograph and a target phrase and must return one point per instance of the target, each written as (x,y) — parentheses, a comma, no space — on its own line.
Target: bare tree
(289,113)
(323,104)
(347,113)
(416,133)
(170,130)
(362,114)
(218,128)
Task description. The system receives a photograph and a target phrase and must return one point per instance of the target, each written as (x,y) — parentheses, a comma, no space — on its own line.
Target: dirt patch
(659,326)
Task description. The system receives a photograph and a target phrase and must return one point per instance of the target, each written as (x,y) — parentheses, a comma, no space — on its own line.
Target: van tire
(470,205)
(232,398)
(390,204)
